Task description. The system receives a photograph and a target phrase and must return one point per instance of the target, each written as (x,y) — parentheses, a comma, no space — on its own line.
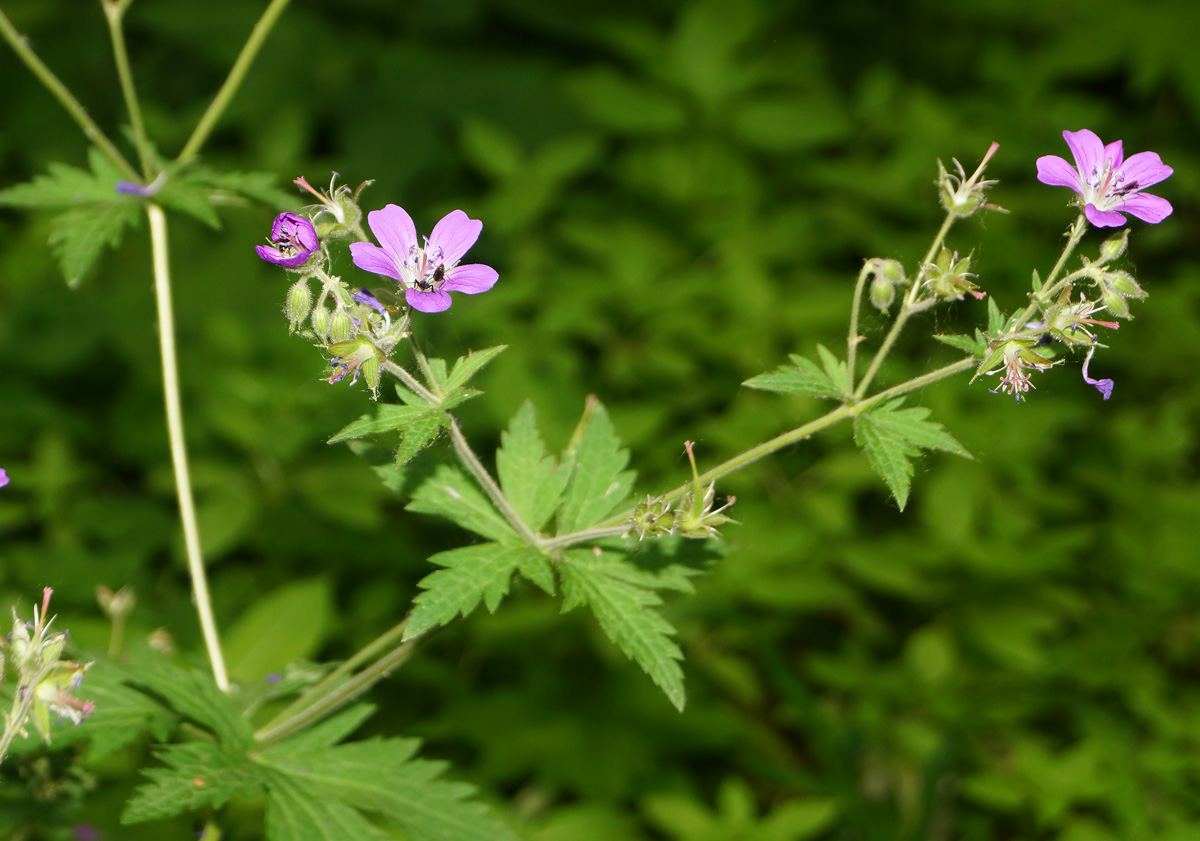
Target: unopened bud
(320,322)
(1124,284)
(341,327)
(1114,246)
(1115,303)
(882,292)
(299,302)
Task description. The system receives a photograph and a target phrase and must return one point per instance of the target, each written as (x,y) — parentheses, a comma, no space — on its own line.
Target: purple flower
(295,239)
(3,477)
(1107,184)
(427,274)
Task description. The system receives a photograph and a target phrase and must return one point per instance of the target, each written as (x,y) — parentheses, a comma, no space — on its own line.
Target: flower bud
(1115,303)
(1124,284)
(341,326)
(1114,246)
(320,322)
(882,293)
(299,302)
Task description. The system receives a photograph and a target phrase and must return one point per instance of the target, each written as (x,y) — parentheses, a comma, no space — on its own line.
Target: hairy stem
(183,484)
(324,687)
(91,131)
(339,697)
(907,308)
(852,337)
(237,73)
(472,463)
(114,13)
(411,382)
(1052,286)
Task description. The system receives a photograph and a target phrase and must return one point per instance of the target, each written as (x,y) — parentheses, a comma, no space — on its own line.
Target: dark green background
(675,195)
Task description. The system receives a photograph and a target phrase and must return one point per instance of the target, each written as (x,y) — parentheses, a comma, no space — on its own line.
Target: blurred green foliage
(676,194)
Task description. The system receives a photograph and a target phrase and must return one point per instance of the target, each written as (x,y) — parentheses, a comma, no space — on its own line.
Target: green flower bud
(1114,246)
(341,327)
(882,293)
(320,322)
(1115,303)
(1124,284)
(299,302)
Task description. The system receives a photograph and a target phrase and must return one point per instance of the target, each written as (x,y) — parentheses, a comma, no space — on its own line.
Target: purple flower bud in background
(427,274)
(3,477)
(1107,184)
(294,239)
(364,296)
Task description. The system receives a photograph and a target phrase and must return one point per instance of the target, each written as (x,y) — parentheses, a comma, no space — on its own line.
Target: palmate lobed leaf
(195,775)
(195,696)
(625,613)
(530,478)
(470,575)
(598,480)
(378,776)
(803,376)
(451,494)
(893,437)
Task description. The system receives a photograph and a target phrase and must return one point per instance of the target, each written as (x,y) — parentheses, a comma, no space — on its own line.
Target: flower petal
(1146,169)
(394,229)
(287,261)
(1103,218)
(1114,153)
(1087,150)
(1056,172)
(472,279)
(454,235)
(3,477)
(1148,208)
(434,300)
(372,258)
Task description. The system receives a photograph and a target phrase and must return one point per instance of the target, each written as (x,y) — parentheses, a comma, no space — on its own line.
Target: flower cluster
(45,681)
(357,327)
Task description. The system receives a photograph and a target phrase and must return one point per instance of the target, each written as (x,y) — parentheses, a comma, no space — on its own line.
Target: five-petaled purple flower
(428,274)
(1107,183)
(294,238)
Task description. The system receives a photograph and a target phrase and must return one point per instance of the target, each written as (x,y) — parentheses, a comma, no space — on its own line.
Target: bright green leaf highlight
(451,494)
(803,376)
(530,479)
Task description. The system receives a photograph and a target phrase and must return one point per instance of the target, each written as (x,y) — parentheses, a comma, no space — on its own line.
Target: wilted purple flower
(364,296)
(1105,387)
(3,477)
(1107,184)
(295,239)
(428,274)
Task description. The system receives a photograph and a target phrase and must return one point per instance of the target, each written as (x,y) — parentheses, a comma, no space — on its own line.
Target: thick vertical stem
(183,483)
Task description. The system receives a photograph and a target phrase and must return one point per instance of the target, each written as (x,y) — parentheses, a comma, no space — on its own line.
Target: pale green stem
(321,689)
(116,637)
(423,364)
(1050,287)
(852,338)
(572,538)
(183,484)
(411,382)
(216,108)
(78,113)
(113,13)
(339,697)
(809,429)
(907,308)
(472,462)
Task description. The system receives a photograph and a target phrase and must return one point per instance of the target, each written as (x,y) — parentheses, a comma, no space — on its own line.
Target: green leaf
(529,477)
(420,433)
(287,624)
(387,417)
(381,776)
(803,376)
(451,494)
(470,365)
(193,695)
(470,575)
(261,187)
(996,318)
(196,775)
(65,186)
(835,369)
(624,611)
(324,733)
(975,345)
(80,235)
(598,481)
(892,437)
(122,713)
(191,195)
(296,813)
